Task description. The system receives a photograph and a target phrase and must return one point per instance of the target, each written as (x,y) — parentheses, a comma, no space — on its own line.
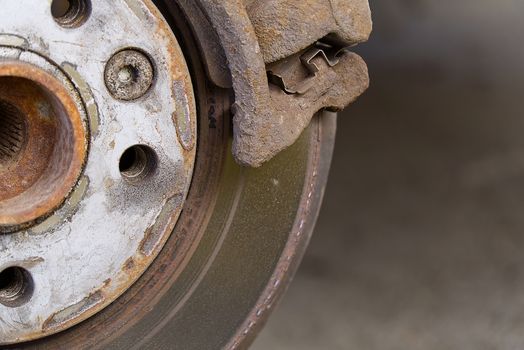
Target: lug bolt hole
(137,163)
(71,13)
(16,287)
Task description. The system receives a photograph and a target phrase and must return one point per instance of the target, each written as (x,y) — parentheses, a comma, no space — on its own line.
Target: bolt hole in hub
(137,163)
(70,13)
(16,287)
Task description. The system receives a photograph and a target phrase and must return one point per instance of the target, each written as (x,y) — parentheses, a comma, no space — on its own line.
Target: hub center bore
(42,143)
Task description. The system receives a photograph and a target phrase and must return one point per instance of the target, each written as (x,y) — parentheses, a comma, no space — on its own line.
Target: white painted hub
(92,249)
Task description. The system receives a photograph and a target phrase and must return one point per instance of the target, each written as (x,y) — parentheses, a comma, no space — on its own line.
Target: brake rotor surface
(99,122)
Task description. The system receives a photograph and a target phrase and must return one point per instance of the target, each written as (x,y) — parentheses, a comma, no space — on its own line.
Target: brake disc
(161,167)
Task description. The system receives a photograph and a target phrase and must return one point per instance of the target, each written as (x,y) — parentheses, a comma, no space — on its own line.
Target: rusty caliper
(288,59)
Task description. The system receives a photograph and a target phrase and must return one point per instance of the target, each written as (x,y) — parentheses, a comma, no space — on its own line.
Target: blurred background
(420,243)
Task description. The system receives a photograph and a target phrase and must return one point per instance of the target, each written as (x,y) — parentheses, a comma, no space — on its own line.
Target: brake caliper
(288,60)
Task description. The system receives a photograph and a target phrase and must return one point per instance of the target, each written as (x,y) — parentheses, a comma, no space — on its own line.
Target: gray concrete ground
(420,242)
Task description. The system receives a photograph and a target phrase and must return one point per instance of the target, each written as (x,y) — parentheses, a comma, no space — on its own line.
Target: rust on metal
(165,222)
(285,27)
(103,226)
(129,74)
(267,120)
(239,51)
(47,143)
(62,317)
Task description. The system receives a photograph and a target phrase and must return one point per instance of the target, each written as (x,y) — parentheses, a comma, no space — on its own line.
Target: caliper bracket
(300,45)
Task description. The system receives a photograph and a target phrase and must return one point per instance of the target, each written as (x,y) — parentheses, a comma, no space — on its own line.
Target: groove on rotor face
(12,132)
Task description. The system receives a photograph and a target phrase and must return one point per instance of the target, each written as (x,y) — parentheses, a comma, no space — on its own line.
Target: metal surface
(96,239)
(50,146)
(142,258)
(246,250)
(299,73)
(285,27)
(129,74)
(267,120)
(71,13)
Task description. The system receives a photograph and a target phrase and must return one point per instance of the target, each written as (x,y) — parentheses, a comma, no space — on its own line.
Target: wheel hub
(96,156)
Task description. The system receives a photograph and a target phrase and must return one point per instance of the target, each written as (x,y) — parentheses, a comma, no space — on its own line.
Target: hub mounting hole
(16,287)
(70,13)
(137,163)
